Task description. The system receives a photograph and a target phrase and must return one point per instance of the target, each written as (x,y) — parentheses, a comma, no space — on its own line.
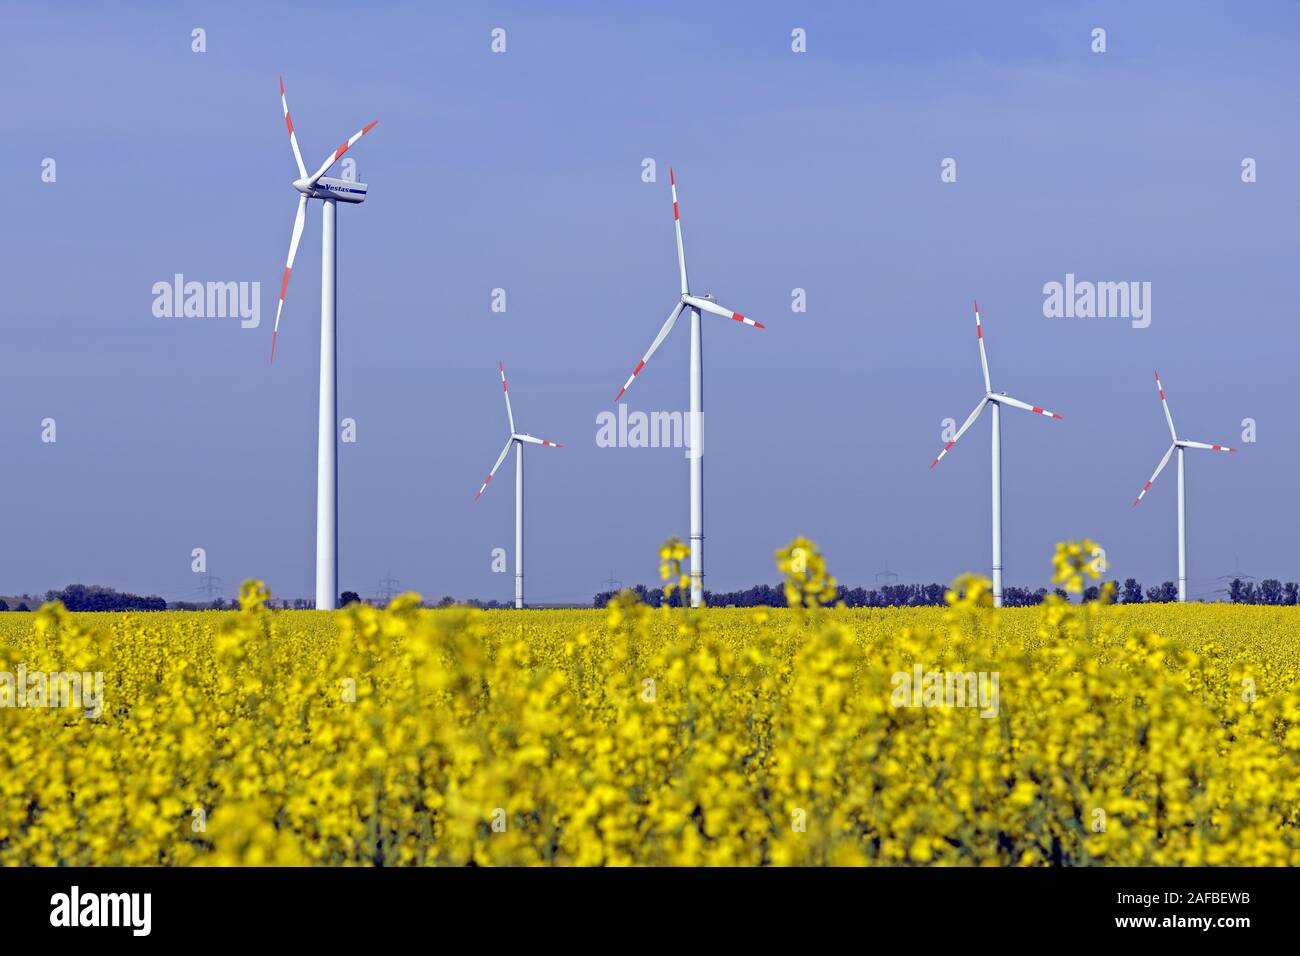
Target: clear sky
(523,171)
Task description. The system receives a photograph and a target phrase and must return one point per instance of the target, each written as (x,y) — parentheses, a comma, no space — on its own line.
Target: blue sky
(523,171)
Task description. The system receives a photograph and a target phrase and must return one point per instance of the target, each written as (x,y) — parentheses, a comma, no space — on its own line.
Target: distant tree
(1131,592)
(22,606)
(1237,591)
(854,597)
(897,595)
(349,597)
(1291,593)
(1061,593)
(1270,591)
(1091,593)
(1021,597)
(1163,594)
(4,605)
(92,597)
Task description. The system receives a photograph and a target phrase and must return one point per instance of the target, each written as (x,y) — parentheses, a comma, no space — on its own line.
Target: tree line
(1130,591)
(1270,591)
(92,597)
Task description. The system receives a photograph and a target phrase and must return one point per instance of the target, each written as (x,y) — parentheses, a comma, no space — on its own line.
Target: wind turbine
(698,305)
(518,439)
(1180,444)
(995,401)
(329,191)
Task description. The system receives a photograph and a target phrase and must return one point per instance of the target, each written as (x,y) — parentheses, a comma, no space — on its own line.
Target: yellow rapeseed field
(1089,734)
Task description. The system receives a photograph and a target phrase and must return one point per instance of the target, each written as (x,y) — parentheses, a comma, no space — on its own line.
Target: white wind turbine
(518,439)
(995,401)
(697,305)
(1178,444)
(329,191)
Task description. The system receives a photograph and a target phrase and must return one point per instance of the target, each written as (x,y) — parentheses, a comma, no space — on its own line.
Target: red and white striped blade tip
(946,448)
(348,144)
(632,378)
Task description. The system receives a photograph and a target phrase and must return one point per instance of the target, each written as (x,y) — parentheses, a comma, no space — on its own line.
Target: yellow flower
(1076,560)
(808,583)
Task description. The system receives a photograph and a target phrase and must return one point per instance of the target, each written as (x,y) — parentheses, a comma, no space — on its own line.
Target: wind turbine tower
(994,401)
(329,192)
(697,304)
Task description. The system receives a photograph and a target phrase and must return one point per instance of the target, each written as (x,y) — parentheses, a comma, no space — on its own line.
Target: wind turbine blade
(506,392)
(984,359)
(705,305)
(1017,403)
(1169,418)
(1159,468)
(1207,447)
(539,441)
(334,156)
(298,221)
(293,137)
(970,420)
(663,333)
(486,481)
(677,226)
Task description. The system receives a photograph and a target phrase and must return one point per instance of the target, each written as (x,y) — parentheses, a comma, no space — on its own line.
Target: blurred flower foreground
(1068,734)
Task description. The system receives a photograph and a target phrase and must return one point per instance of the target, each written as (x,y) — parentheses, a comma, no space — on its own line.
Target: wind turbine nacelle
(339,189)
